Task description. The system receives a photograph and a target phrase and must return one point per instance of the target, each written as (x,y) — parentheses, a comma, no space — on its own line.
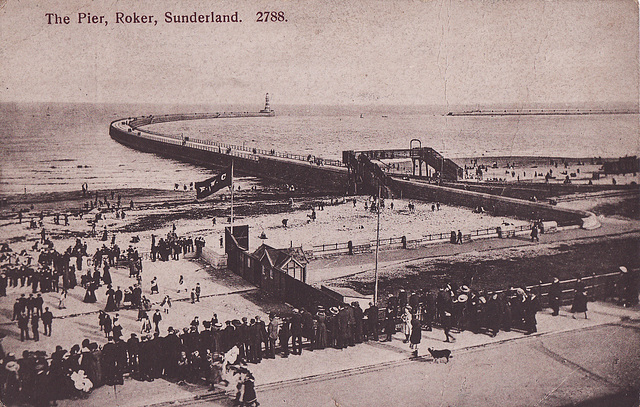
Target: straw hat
(463,298)
(623,269)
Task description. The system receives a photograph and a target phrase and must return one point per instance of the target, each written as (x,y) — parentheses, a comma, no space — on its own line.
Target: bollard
(350,246)
(404,242)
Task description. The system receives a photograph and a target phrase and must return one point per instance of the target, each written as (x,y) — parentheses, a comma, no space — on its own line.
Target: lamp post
(442,162)
(375,291)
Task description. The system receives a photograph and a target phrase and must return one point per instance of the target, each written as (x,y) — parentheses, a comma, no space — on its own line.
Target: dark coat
(296,324)
(416,331)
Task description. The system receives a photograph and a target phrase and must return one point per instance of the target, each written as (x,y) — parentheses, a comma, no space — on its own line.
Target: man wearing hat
(332,327)
(133,348)
(555,293)
(390,324)
(35,324)
(307,327)
(351,325)
(19,306)
(262,337)
(195,323)
(342,335)
(358,315)
(157,317)
(493,314)
(205,337)
(23,324)
(216,337)
(228,336)
(629,286)
(273,330)
(296,333)
(47,319)
(172,347)
(242,331)
(446,326)
(283,337)
(109,363)
(372,318)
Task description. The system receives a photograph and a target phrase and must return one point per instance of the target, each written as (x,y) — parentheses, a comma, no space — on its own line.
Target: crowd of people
(173,245)
(214,352)
(211,352)
(217,353)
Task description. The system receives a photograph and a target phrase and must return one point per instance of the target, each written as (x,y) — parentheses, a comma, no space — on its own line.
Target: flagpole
(375,292)
(232,196)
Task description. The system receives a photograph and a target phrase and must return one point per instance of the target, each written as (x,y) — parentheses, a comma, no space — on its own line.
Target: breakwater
(496,205)
(313,173)
(541,112)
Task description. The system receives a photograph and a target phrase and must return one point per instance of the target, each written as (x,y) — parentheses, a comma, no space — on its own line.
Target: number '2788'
(270,16)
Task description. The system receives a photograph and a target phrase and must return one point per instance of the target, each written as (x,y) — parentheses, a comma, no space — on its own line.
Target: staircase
(450,170)
(365,177)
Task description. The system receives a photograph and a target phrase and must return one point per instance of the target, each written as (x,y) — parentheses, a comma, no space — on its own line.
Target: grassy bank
(498,269)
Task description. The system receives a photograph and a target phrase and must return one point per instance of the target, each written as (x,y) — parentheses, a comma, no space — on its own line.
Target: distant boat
(362,115)
(385,116)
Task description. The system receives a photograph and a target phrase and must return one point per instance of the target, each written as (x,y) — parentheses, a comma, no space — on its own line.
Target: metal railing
(598,287)
(136,123)
(340,248)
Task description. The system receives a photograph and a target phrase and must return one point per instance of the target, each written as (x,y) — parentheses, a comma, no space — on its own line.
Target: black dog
(439,354)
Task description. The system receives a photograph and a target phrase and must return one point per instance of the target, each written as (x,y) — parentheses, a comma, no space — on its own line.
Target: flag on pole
(213,184)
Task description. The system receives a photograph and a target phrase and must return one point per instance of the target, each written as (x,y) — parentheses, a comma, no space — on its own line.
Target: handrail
(388,241)
(135,124)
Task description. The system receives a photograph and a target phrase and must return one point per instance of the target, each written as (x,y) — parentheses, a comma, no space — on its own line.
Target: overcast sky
(329,52)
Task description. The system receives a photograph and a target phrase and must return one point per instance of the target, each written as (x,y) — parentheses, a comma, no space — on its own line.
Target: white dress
(406,323)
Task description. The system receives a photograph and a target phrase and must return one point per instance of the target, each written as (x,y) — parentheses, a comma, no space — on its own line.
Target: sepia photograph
(353,203)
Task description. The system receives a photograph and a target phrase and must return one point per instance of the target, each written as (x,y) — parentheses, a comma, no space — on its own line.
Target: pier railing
(136,123)
(342,248)
(176,140)
(598,286)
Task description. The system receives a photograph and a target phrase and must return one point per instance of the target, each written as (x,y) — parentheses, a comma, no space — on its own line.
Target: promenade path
(324,269)
(567,361)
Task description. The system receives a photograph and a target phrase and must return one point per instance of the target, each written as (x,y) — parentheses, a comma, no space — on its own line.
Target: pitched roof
(280,257)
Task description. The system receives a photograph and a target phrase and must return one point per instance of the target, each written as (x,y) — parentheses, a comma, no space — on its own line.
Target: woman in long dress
(416,335)
(406,323)
(90,294)
(106,275)
(111,300)
(321,332)
(580,303)
(247,390)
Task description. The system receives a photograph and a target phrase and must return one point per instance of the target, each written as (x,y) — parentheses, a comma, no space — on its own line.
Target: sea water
(57,147)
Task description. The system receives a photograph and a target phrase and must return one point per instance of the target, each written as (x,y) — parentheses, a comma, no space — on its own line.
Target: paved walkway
(345,265)
(333,364)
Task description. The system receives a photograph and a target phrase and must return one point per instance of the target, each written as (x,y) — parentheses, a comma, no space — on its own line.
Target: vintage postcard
(308,203)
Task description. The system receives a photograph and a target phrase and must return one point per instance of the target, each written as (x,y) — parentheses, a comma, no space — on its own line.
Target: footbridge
(435,165)
(368,171)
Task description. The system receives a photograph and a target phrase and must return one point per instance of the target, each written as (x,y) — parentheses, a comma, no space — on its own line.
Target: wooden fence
(276,281)
(348,248)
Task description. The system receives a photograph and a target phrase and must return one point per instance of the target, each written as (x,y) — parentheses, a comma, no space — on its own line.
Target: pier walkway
(356,174)
(138,127)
